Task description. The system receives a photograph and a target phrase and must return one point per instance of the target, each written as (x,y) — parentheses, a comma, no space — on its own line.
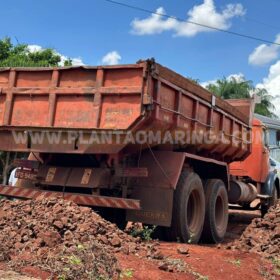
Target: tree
(240,88)
(20,55)
(266,106)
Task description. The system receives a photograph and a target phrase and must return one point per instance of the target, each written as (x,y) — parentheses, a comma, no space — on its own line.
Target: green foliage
(74,260)
(144,233)
(266,105)
(126,274)
(231,88)
(196,81)
(236,262)
(20,56)
(276,264)
(68,62)
(237,89)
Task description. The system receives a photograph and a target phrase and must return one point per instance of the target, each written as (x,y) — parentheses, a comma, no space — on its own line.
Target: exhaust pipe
(241,192)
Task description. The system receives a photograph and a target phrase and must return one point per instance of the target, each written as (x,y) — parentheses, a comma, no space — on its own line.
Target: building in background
(273,126)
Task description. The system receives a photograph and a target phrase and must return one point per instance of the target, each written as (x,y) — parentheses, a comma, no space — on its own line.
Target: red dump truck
(137,142)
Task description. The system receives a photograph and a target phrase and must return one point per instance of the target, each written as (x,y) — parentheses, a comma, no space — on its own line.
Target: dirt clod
(183,250)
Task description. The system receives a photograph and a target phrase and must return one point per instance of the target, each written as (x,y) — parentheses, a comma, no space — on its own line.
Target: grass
(144,233)
(236,262)
(276,264)
(126,273)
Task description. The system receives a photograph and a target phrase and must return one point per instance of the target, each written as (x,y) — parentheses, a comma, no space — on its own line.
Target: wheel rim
(219,213)
(193,211)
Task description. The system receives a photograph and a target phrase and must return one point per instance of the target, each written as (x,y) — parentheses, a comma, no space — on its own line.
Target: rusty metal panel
(77,77)
(117,110)
(74,111)
(186,84)
(74,177)
(89,177)
(71,97)
(52,175)
(156,206)
(32,111)
(132,172)
(144,96)
(2,104)
(164,169)
(29,164)
(81,199)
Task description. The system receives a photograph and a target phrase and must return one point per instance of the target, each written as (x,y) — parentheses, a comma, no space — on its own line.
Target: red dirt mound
(262,235)
(64,239)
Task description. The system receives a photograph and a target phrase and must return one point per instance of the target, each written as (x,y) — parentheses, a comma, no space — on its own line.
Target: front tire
(188,209)
(216,213)
(271,201)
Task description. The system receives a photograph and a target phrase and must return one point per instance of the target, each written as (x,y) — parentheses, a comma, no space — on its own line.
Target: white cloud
(34,48)
(154,24)
(207,14)
(239,77)
(272,84)
(111,58)
(205,84)
(264,54)
(204,13)
(76,61)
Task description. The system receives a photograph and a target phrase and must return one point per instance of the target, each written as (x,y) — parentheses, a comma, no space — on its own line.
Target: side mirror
(272,163)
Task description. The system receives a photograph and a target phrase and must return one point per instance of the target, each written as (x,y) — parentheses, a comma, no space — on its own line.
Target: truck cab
(256,171)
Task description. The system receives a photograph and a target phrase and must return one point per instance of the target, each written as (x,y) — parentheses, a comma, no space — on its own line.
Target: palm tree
(265,107)
(231,88)
(234,88)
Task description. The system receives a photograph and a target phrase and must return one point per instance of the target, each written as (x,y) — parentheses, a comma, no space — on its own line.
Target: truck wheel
(188,209)
(216,211)
(272,201)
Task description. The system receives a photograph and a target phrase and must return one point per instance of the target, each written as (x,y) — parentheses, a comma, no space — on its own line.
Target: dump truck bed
(116,99)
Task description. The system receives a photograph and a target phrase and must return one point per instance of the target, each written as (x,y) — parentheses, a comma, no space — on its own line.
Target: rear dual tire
(216,215)
(199,213)
(188,209)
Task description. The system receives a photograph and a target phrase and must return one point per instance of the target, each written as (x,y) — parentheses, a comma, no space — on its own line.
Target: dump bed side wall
(77,98)
(210,130)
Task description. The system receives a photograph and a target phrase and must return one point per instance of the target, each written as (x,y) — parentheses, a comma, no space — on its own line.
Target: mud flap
(156,206)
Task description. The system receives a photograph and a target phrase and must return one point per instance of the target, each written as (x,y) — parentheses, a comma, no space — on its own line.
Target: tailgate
(72,97)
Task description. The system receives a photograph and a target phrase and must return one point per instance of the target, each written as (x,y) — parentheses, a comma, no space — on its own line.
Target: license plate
(26,174)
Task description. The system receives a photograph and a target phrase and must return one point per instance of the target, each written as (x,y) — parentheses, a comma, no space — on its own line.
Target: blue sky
(90,29)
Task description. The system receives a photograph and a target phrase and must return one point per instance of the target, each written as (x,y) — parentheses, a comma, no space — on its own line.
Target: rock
(50,238)
(183,250)
(58,224)
(18,245)
(163,266)
(115,241)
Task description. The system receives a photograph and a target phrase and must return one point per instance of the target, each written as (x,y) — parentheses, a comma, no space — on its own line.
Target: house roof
(269,122)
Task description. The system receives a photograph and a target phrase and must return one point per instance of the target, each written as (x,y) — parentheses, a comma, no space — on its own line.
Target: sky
(97,32)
